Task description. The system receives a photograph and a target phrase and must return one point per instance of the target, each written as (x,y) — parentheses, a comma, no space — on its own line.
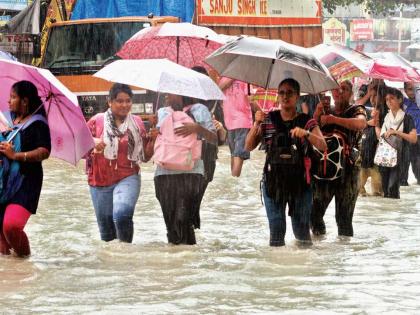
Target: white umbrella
(161,75)
(266,63)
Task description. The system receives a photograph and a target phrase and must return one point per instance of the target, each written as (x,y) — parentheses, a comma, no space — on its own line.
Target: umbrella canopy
(26,21)
(266,63)
(7,56)
(342,62)
(345,63)
(70,137)
(183,43)
(390,59)
(161,75)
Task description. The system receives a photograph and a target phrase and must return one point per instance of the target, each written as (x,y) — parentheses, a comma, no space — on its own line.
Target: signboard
(15,5)
(334,32)
(361,30)
(269,13)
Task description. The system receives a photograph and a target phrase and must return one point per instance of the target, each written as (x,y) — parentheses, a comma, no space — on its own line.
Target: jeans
(300,206)
(114,208)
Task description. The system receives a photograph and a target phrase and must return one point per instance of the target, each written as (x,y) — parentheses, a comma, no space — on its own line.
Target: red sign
(259,12)
(361,30)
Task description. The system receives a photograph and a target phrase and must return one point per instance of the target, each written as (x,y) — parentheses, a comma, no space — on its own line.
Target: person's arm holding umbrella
(254,136)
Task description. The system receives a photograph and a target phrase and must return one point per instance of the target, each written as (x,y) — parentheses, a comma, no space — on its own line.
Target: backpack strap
(24,125)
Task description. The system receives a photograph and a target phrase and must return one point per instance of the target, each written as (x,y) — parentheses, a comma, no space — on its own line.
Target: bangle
(24,157)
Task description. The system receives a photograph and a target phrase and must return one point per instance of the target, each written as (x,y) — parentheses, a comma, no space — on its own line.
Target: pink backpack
(174,152)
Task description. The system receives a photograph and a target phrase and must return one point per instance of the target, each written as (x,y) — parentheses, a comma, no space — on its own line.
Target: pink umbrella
(183,43)
(70,137)
(345,63)
(390,59)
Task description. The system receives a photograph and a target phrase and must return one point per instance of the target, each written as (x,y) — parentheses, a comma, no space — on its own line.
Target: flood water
(232,269)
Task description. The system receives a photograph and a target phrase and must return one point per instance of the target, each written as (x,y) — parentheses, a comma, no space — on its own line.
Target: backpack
(285,167)
(173,152)
(330,164)
(10,176)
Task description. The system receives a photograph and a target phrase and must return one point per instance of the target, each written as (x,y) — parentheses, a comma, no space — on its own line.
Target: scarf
(392,122)
(112,135)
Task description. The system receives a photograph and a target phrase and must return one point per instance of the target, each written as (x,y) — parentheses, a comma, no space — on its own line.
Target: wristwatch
(308,133)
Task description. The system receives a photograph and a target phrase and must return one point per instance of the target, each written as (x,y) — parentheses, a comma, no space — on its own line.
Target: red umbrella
(183,43)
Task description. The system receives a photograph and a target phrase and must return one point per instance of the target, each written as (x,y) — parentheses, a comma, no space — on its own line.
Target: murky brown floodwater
(231,270)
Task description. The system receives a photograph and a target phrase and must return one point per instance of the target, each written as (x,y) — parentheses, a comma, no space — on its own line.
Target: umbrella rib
(66,122)
(192,55)
(167,48)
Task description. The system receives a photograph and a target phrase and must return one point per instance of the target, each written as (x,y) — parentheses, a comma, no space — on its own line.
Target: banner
(270,13)
(361,30)
(334,32)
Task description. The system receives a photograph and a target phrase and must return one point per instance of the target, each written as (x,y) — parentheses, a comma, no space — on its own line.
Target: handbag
(395,141)
(387,151)
(386,155)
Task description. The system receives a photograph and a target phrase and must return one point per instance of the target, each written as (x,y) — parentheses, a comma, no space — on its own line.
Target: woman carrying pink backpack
(180,169)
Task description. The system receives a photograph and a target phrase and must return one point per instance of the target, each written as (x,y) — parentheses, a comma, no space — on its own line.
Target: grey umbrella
(266,63)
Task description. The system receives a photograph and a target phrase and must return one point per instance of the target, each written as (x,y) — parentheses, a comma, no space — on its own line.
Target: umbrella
(183,43)
(161,75)
(7,56)
(390,59)
(342,62)
(266,63)
(345,63)
(70,137)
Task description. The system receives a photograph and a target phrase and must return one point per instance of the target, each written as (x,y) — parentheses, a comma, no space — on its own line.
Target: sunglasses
(288,93)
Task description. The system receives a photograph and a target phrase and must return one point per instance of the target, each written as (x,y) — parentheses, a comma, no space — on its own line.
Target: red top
(103,172)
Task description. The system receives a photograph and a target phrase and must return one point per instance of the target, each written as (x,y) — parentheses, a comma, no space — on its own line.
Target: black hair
(349,84)
(26,89)
(395,92)
(406,85)
(380,106)
(200,69)
(119,88)
(186,100)
(293,83)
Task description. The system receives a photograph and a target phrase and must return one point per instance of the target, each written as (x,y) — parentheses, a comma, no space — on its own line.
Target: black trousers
(177,195)
(345,190)
(391,181)
(412,158)
(209,169)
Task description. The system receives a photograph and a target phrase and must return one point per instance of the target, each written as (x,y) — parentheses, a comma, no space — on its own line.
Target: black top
(34,136)
(353,137)
(368,149)
(282,176)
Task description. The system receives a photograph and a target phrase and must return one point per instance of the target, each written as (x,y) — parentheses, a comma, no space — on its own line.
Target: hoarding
(259,12)
(361,29)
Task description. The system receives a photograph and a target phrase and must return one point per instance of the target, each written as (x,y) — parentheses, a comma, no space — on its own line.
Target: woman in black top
(27,112)
(287,136)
